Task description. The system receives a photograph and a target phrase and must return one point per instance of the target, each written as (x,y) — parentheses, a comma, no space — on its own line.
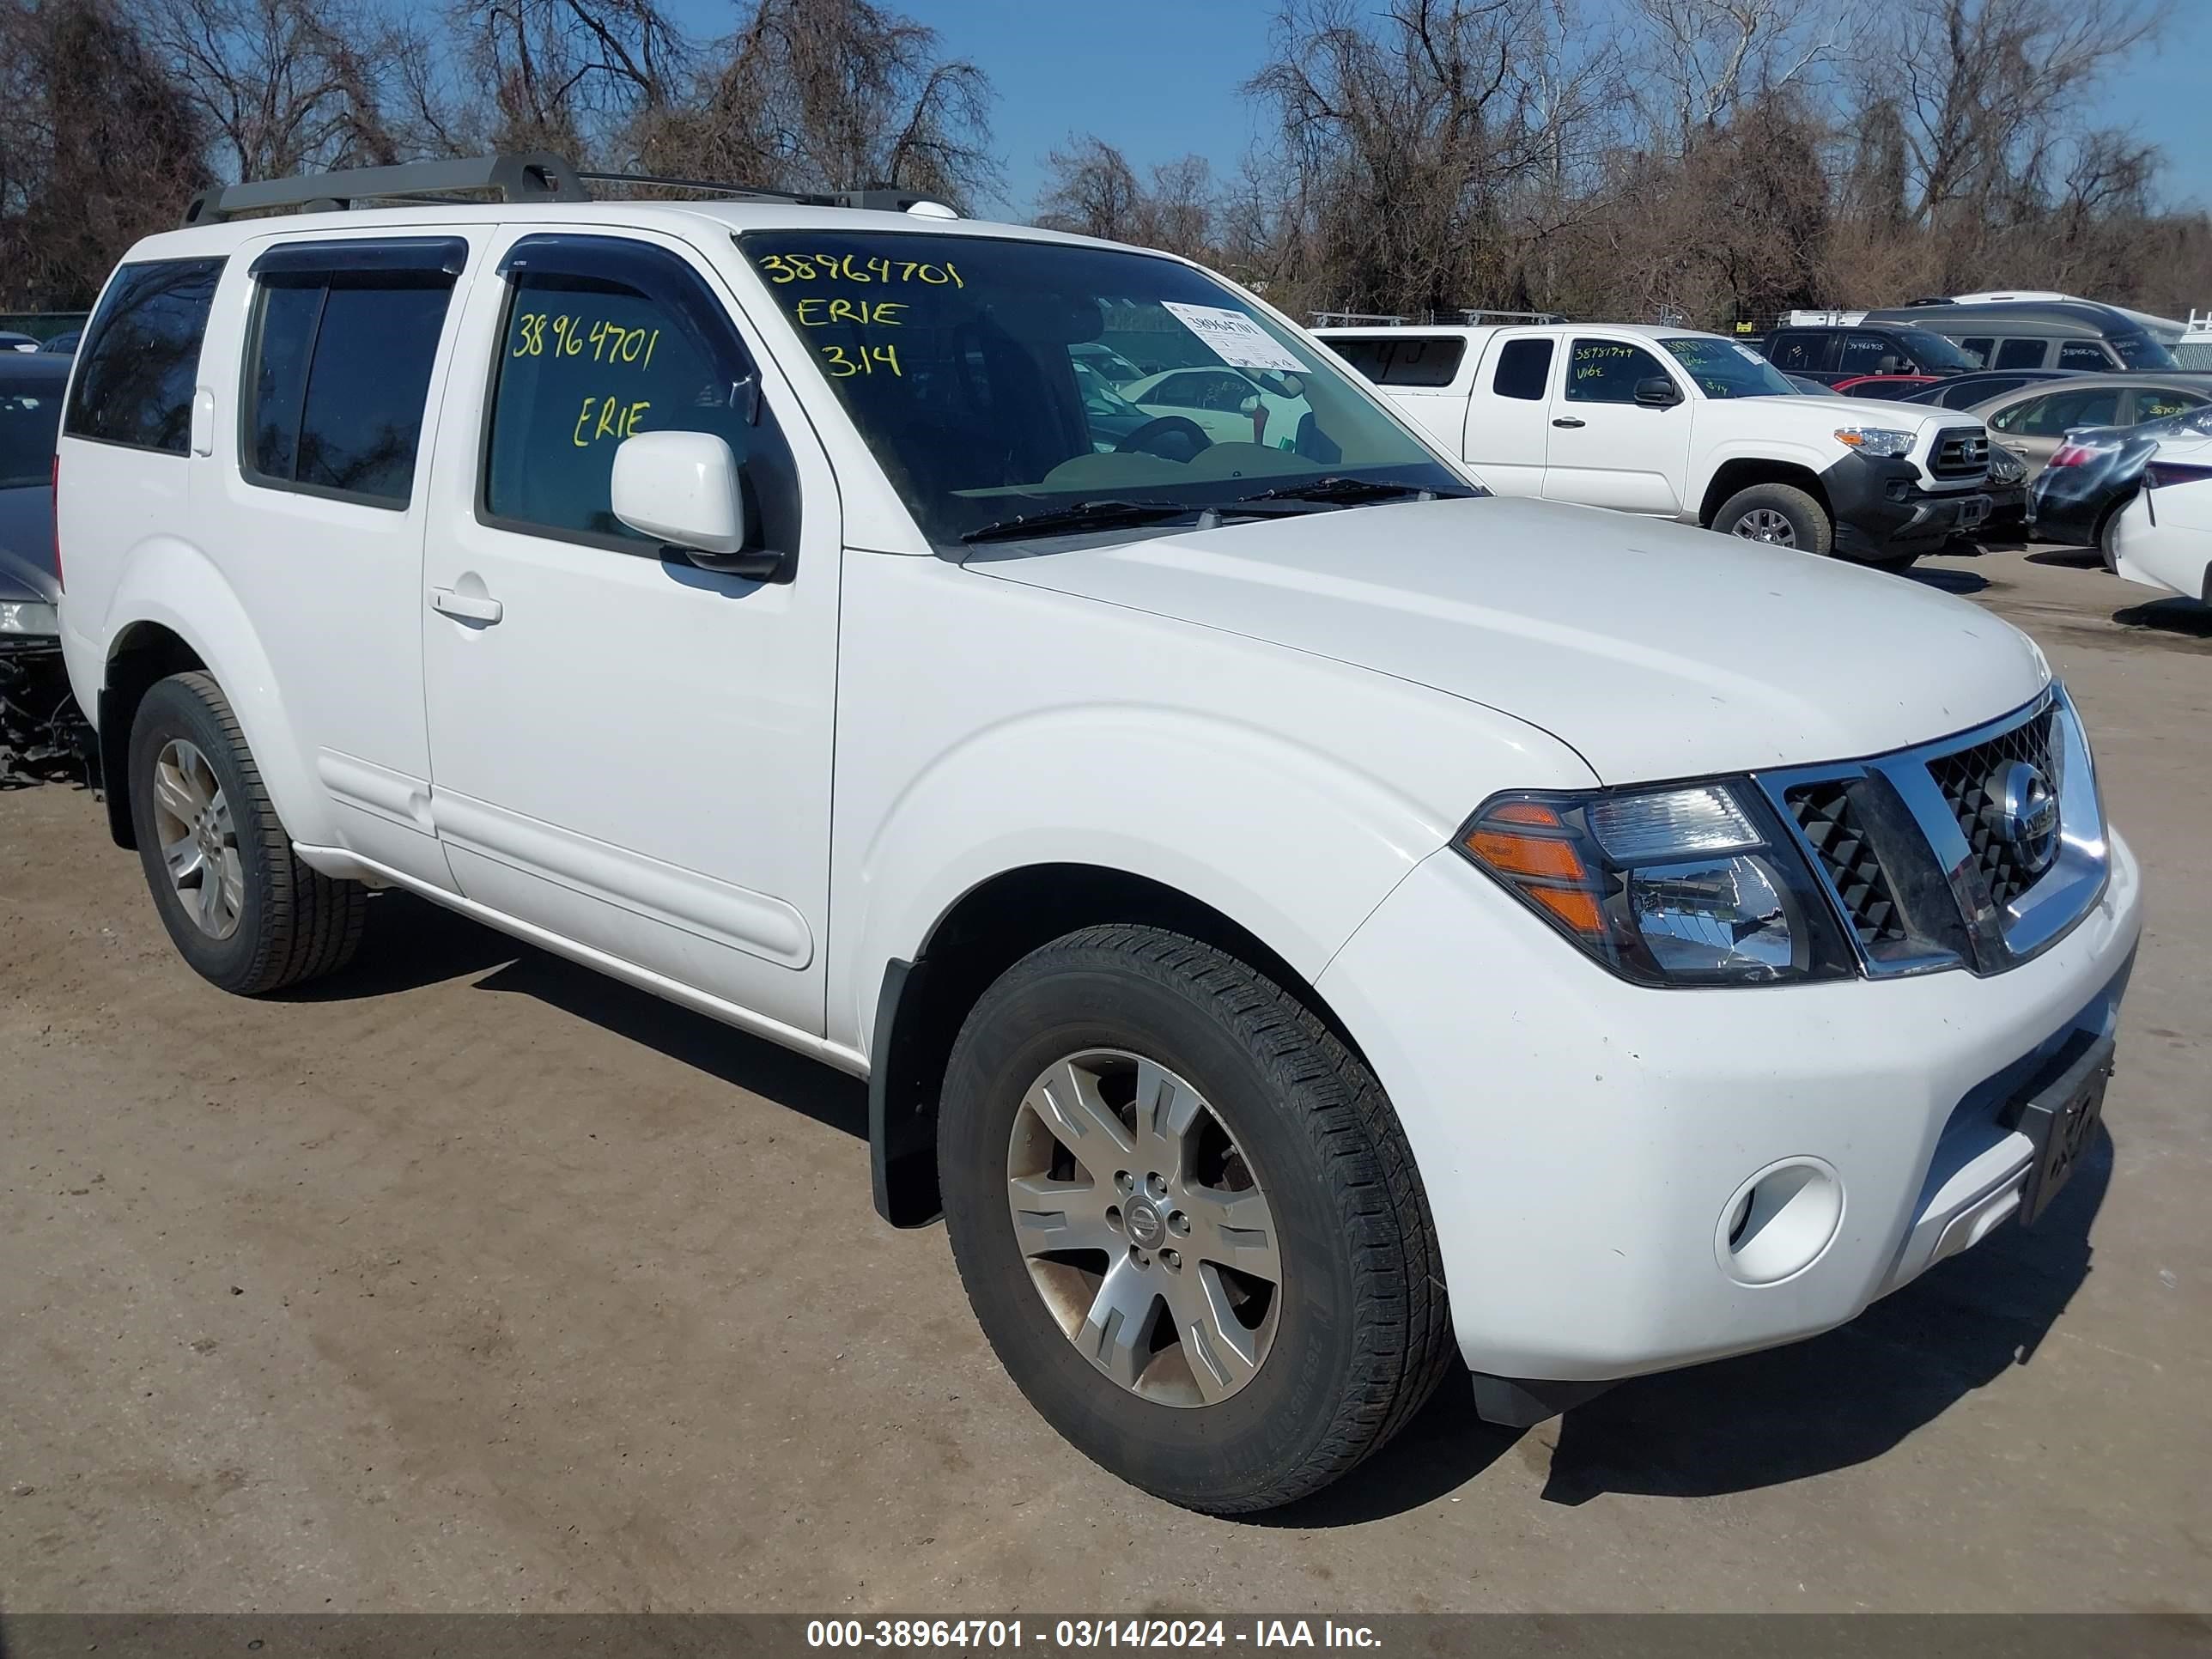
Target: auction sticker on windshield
(1235,338)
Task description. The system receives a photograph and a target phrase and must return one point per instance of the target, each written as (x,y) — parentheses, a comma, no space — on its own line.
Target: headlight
(1695,884)
(25,616)
(1883,441)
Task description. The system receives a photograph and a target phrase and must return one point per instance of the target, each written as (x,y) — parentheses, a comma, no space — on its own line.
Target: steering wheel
(1171,437)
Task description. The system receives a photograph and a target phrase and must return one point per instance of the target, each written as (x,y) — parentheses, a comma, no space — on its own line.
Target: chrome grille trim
(1994,920)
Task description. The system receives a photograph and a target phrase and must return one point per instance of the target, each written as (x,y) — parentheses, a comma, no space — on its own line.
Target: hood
(1861,411)
(27,544)
(1655,650)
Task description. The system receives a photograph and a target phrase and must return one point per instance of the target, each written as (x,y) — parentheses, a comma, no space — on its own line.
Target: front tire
(1781,516)
(1187,1220)
(239,906)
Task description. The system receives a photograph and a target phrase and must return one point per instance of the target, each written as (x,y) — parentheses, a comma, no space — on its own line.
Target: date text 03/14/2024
(1081,1635)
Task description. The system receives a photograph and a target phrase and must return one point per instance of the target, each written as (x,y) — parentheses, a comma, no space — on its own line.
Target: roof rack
(534,176)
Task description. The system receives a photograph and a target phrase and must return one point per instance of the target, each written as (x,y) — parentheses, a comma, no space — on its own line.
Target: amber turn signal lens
(1545,858)
(1575,906)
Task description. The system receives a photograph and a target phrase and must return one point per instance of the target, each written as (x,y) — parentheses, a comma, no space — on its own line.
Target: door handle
(466,607)
(1568,420)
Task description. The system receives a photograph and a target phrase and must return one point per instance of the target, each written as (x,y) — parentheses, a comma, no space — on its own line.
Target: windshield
(28,417)
(1722,368)
(970,366)
(2140,351)
(1932,352)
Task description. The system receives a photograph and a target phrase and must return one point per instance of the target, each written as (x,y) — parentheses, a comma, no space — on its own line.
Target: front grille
(1825,818)
(1961,451)
(1965,779)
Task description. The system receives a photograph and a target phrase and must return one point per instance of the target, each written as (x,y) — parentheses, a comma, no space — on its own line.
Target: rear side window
(1369,357)
(1425,360)
(1524,369)
(338,371)
(606,339)
(2080,354)
(2020,353)
(1803,351)
(141,356)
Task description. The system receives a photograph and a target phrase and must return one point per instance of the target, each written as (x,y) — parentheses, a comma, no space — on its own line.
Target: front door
(627,751)
(2034,428)
(1606,448)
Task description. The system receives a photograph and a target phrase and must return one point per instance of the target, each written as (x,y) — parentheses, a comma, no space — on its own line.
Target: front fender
(1293,840)
(170,583)
(1813,457)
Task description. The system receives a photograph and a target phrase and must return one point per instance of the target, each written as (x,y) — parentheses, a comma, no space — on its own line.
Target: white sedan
(2163,538)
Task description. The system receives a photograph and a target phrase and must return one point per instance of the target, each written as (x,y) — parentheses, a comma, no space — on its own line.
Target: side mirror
(1659,391)
(681,489)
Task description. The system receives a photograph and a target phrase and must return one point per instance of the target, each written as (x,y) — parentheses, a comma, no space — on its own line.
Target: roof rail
(536,176)
(532,177)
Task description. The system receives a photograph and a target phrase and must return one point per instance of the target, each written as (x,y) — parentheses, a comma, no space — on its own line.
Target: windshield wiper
(1103,514)
(1345,491)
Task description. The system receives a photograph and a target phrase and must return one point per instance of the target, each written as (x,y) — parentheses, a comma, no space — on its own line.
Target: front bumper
(1883,507)
(1584,1142)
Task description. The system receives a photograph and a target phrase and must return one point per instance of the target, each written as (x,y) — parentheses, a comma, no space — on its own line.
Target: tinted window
(1524,369)
(2054,413)
(141,356)
(1369,357)
(339,372)
(1978,347)
(1976,392)
(1931,352)
(1872,354)
(2021,353)
(30,410)
(2158,405)
(1803,351)
(605,339)
(1607,371)
(1425,360)
(2080,354)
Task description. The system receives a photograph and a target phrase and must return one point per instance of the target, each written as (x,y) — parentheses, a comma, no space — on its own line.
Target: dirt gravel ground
(473,1281)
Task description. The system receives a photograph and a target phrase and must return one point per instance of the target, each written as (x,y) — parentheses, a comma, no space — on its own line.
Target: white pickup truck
(1684,426)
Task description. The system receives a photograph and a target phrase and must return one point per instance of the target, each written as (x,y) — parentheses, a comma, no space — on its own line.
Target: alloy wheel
(200,842)
(1144,1228)
(1764,524)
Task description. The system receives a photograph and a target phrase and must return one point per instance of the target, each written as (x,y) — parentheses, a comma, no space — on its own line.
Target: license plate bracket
(2061,1120)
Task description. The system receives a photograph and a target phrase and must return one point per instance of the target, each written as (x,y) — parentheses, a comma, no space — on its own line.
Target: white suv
(1299,919)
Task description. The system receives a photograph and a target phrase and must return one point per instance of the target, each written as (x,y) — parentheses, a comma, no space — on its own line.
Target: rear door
(2034,428)
(317,495)
(1508,419)
(1810,352)
(1606,448)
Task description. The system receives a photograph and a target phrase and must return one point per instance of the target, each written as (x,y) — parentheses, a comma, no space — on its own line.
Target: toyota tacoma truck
(1684,426)
(1305,925)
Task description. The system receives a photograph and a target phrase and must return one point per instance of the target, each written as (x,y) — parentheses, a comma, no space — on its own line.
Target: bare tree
(98,145)
(1702,58)
(284,85)
(831,93)
(1091,189)
(1419,138)
(570,76)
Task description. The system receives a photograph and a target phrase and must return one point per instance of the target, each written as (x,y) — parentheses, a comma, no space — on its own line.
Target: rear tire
(1780,515)
(1279,1348)
(239,906)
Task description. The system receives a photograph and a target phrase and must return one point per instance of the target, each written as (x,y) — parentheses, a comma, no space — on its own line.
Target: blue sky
(1161,79)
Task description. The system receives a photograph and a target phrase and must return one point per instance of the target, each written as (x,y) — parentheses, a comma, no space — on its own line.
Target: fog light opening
(1780,1221)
